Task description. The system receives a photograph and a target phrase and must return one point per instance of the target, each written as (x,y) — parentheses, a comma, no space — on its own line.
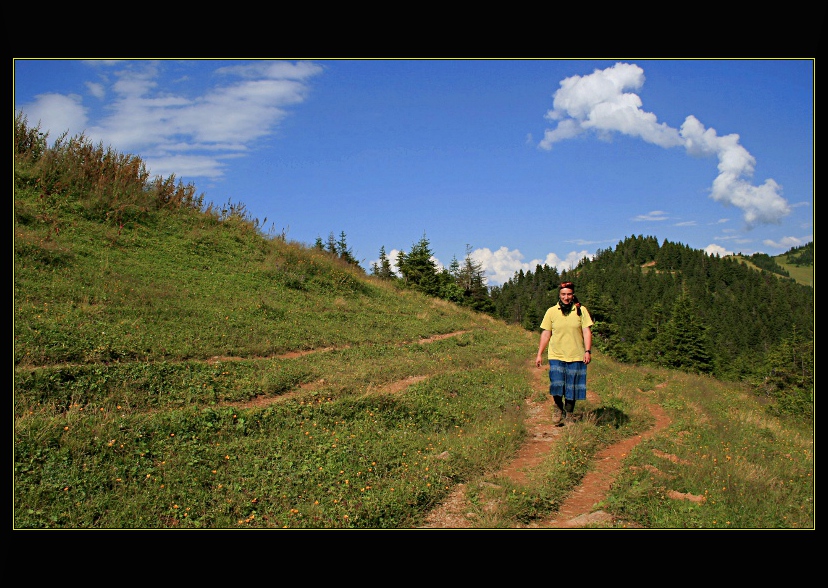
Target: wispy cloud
(788,242)
(177,133)
(654,215)
(605,102)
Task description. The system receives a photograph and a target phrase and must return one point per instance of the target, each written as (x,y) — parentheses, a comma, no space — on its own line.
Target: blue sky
(524,162)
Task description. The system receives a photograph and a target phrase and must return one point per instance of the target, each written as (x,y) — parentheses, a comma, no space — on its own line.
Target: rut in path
(576,511)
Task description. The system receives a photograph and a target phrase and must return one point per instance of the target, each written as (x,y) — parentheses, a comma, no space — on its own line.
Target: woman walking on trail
(568,336)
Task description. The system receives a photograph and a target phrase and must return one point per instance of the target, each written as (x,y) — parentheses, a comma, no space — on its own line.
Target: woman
(568,336)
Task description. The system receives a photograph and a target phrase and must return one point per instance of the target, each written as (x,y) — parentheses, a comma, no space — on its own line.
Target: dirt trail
(576,511)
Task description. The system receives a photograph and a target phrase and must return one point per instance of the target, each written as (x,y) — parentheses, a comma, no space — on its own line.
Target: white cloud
(96,90)
(787,243)
(713,249)
(56,113)
(393,257)
(301,70)
(177,133)
(604,103)
(654,215)
(185,165)
(600,103)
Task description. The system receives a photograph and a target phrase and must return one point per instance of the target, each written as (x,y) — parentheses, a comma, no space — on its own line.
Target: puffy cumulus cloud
(393,257)
(188,134)
(501,266)
(605,102)
(760,204)
(714,249)
(600,102)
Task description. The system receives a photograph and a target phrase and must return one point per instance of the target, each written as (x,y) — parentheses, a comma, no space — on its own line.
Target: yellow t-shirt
(567,341)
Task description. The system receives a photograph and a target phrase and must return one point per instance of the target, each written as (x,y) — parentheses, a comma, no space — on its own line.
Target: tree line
(801,256)
(461,283)
(464,284)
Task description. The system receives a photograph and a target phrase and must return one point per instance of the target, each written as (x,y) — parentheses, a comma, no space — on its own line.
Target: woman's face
(566,295)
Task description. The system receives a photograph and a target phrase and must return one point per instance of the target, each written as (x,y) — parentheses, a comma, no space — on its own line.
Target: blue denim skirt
(568,379)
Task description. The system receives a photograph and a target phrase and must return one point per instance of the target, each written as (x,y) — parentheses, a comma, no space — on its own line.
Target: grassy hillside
(802,274)
(175,368)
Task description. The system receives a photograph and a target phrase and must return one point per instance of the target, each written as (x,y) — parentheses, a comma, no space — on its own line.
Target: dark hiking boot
(561,418)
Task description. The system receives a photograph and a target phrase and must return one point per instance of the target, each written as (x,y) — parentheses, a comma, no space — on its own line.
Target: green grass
(802,274)
(753,470)
(175,368)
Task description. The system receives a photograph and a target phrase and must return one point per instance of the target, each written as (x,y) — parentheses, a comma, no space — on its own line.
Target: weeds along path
(576,511)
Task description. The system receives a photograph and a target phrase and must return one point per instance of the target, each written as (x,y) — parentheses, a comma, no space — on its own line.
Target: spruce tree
(686,344)
(343,251)
(383,269)
(418,269)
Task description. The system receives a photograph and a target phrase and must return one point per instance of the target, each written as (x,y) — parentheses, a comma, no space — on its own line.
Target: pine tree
(418,269)
(454,267)
(383,269)
(686,344)
(789,376)
(604,330)
(471,277)
(653,336)
(343,251)
(447,287)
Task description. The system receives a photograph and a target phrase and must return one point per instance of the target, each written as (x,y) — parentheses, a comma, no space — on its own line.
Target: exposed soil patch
(392,388)
(576,511)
